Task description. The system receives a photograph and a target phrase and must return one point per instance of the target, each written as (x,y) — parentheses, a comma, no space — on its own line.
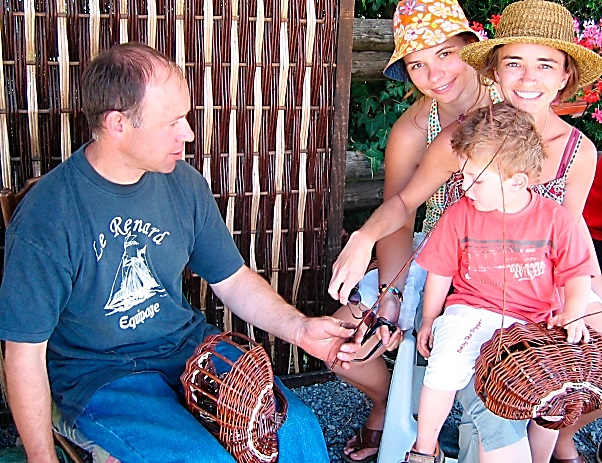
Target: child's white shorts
(458,336)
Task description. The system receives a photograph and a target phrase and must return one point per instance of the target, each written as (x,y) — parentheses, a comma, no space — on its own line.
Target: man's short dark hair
(116,80)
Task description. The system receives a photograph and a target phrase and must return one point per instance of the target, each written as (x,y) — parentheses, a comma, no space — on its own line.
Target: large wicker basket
(530,371)
(242,406)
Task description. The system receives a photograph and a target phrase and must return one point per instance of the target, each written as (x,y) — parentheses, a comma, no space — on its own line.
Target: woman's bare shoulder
(557,138)
(408,135)
(411,127)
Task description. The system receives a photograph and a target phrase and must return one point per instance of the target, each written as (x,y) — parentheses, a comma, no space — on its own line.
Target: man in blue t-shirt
(91,304)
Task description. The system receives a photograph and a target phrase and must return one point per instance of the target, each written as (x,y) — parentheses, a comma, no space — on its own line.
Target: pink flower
(483,34)
(597,114)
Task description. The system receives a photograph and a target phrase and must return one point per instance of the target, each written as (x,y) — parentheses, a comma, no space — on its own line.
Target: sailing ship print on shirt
(134,282)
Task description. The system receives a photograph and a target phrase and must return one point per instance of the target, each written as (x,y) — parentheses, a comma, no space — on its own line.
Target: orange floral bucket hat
(420,24)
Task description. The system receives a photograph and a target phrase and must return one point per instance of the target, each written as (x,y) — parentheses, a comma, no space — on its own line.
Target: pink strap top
(555,189)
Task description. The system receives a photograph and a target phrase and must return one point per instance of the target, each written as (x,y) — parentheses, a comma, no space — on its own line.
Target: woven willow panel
(268,139)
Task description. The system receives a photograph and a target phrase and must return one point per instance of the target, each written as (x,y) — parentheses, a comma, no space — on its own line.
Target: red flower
(476,26)
(495,19)
(592,96)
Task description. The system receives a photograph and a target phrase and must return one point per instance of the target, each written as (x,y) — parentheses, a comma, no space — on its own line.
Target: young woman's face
(438,72)
(530,75)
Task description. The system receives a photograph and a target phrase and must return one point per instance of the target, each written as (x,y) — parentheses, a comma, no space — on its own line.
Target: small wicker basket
(533,372)
(242,407)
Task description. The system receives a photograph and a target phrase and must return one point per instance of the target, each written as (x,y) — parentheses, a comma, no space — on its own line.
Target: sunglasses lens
(354,296)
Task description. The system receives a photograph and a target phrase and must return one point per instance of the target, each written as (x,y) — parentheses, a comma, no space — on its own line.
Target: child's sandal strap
(416,457)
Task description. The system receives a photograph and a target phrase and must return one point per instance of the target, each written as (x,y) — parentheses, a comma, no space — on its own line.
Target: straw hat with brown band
(539,22)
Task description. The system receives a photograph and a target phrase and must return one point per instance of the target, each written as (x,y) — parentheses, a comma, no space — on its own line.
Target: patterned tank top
(435,205)
(554,189)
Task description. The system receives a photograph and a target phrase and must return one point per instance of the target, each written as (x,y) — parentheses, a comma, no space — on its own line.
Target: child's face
(487,184)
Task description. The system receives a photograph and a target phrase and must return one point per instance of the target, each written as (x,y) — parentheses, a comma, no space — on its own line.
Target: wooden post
(339,143)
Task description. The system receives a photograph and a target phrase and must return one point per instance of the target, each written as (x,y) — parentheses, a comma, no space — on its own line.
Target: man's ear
(115,123)
(519,181)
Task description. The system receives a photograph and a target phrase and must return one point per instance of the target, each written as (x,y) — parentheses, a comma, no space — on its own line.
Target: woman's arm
(578,184)
(580,178)
(438,164)
(405,149)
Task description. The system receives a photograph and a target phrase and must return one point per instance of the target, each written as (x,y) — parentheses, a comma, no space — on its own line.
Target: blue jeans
(140,418)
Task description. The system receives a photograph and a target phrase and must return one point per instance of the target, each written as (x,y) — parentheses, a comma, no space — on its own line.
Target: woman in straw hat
(532,40)
(428,39)
(535,61)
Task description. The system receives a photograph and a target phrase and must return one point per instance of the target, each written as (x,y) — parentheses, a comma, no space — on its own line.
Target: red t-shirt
(469,245)
(593,206)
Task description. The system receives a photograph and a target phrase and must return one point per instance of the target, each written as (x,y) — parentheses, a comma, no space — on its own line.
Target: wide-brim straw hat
(539,22)
(420,24)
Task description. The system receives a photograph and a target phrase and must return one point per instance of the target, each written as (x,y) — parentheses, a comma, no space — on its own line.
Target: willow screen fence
(269,85)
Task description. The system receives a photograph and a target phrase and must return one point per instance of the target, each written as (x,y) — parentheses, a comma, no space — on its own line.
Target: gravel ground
(341,409)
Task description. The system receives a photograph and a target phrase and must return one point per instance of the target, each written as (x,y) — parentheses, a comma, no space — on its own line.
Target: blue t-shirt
(96,268)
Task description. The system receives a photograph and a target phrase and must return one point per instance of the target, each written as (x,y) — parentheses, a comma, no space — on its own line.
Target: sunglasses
(371,320)
(369,317)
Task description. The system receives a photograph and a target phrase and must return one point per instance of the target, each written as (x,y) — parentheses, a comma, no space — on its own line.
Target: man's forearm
(29,398)
(252,298)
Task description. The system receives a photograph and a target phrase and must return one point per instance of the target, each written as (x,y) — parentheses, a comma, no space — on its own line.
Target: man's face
(158,143)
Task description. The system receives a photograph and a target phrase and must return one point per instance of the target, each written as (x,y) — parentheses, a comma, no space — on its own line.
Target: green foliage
(374,108)
(481,10)
(374,8)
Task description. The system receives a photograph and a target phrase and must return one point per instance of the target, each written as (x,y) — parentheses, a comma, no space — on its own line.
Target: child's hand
(424,338)
(575,331)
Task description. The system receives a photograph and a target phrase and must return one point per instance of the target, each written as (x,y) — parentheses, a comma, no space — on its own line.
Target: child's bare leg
(516,453)
(565,446)
(541,441)
(432,411)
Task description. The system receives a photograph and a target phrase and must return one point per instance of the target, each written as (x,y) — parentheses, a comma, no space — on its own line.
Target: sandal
(414,456)
(365,438)
(579,459)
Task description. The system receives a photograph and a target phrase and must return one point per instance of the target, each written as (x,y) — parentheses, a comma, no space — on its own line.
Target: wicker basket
(242,407)
(533,372)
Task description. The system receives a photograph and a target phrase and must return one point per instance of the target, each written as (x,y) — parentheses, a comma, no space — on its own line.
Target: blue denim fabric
(140,418)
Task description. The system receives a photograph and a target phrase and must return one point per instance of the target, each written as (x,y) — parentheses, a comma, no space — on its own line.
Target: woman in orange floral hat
(535,61)
(429,35)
